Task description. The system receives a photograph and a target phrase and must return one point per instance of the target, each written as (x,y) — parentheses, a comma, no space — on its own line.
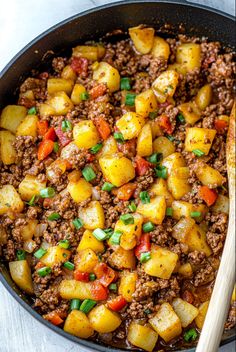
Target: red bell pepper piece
(104,274)
(97,91)
(141,166)
(102,127)
(45,148)
(221,126)
(208,195)
(143,246)
(117,303)
(63,139)
(165,124)
(50,134)
(54,318)
(98,291)
(81,276)
(42,127)
(80,65)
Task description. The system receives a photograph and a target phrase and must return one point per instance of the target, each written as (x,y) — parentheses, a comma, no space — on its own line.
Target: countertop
(21,21)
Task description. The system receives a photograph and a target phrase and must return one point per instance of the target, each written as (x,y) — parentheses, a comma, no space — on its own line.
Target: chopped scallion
(55,147)
(190,335)
(84,96)
(119,137)
(48,192)
(155,158)
(69,265)
(88,173)
(161,171)
(21,255)
(95,149)
(127,219)
(109,232)
(144,257)
(198,152)
(171,138)
(66,126)
(115,238)
(54,216)
(132,207)
(130,99)
(78,223)
(169,211)
(64,244)
(144,196)
(113,287)
(32,201)
(181,118)
(40,253)
(107,186)
(44,271)
(92,277)
(32,111)
(87,305)
(153,114)
(75,304)
(100,235)
(148,226)
(195,214)
(125,83)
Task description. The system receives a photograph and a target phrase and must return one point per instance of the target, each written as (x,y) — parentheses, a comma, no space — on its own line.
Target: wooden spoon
(220,300)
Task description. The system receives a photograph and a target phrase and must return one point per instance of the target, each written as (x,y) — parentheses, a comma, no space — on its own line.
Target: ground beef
(204,275)
(216,233)
(231,320)
(58,63)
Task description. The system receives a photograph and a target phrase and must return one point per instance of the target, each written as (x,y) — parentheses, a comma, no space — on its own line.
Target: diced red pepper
(48,202)
(50,134)
(81,276)
(98,291)
(104,274)
(42,127)
(141,166)
(80,65)
(165,124)
(143,246)
(117,303)
(45,148)
(126,191)
(98,91)
(54,318)
(208,195)
(188,296)
(63,139)
(221,126)
(103,127)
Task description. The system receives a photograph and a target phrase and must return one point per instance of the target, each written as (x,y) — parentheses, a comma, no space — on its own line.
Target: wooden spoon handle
(220,300)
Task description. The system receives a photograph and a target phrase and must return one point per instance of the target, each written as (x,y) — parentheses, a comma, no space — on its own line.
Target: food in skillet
(113,196)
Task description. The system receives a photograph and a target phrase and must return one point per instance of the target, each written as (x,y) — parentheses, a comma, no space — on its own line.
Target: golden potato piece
(199,138)
(105,73)
(142,336)
(10,200)
(104,320)
(92,216)
(130,125)
(145,103)
(165,85)
(164,146)
(30,186)
(55,85)
(60,104)
(185,311)
(204,96)
(189,55)
(88,241)
(55,255)
(12,116)
(85,134)
(142,38)
(80,190)
(160,48)
(21,275)
(28,127)
(78,324)
(153,211)
(7,151)
(144,142)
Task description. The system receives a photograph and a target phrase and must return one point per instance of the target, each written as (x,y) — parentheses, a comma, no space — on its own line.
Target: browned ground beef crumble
(217,69)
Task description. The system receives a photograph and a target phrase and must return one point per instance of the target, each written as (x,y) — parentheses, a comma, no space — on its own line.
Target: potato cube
(142,336)
(85,134)
(173,161)
(10,200)
(127,285)
(29,246)
(12,116)
(199,138)
(7,151)
(28,127)
(185,270)
(69,289)
(185,311)
(92,216)
(103,320)
(90,52)
(190,111)
(145,103)
(117,169)
(105,73)
(177,182)
(86,260)
(21,275)
(76,93)
(55,255)
(142,38)
(204,96)
(154,211)
(109,147)
(122,259)
(55,85)
(60,104)
(130,125)
(88,241)
(221,205)
(159,188)
(202,312)
(29,230)
(46,110)
(189,55)
(78,324)
(131,232)
(208,176)
(182,228)
(181,208)
(30,186)
(68,73)
(164,146)
(162,262)
(165,85)
(160,48)
(166,322)
(144,142)
(28,94)
(80,190)
(156,129)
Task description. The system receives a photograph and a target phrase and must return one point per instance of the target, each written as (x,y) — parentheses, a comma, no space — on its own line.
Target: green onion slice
(40,253)
(144,257)
(155,158)
(144,196)
(127,219)
(88,173)
(190,335)
(181,118)
(64,244)
(125,83)
(21,255)
(100,235)
(69,265)
(55,147)
(44,271)
(119,137)
(84,96)
(95,149)
(54,216)
(161,171)
(153,114)
(32,111)
(87,305)
(75,304)
(198,152)
(48,192)
(115,238)
(148,227)
(78,223)
(130,99)
(169,211)
(92,277)
(113,287)
(66,126)
(132,207)
(107,186)
(195,214)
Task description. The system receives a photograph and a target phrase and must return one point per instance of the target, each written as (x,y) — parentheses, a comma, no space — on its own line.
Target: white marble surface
(20,22)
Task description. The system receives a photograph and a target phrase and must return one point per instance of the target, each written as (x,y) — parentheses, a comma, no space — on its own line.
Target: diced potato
(68,73)
(166,322)
(199,138)
(105,73)
(185,270)
(190,111)
(85,134)
(145,103)
(60,103)
(165,85)
(109,147)
(221,205)
(154,211)
(189,55)
(173,161)
(29,246)
(92,216)
(69,150)
(131,232)
(30,186)
(142,38)
(204,96)
(85,260)
(160,48)
(29,230)
(177,185)
(156,129)
(182,228)
(88,241)
(12,116)
(78,324)
(69,289)
(180,68)
(103,320)
(29,95)
(10,200)
(21,275)
(164,146)
(181,208)
(46,110)
(80,190)
(122,259)
(7,151)
(144,142)
(55,85)
(185,311)
(202,311)
(127,285)
(90,52)
(117,169)
(130,125)
(159,188)
(28,127)
(162,262)
(76,93)
(142,336)
(55,255)
(208,176)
